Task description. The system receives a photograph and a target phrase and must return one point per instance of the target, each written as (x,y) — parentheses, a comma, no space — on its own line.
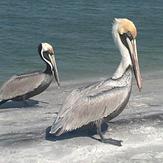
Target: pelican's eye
(51,53)
(129,35)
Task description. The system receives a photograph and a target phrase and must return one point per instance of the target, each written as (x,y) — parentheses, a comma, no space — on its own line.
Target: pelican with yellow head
(106,99)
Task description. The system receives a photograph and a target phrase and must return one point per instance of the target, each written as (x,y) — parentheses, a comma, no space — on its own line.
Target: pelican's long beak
(55,70)
(135,62)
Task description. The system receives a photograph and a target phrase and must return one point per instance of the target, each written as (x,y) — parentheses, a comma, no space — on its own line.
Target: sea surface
(81,34)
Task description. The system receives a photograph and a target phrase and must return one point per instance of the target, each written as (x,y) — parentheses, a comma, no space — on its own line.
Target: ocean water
(81,34)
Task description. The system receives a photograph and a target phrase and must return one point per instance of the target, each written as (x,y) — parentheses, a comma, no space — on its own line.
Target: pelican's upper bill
(125,25)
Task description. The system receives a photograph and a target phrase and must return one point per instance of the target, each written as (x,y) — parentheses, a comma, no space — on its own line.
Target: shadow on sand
(117,126)
(20,104)
(85,131)
(90,129)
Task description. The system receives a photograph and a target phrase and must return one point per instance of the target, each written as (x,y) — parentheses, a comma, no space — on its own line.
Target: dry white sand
(24,136)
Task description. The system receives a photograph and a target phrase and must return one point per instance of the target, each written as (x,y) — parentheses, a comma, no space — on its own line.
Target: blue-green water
(81,33)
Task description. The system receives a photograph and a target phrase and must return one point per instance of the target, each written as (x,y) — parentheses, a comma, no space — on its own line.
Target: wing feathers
(93,102)
(20,85)
(87,109)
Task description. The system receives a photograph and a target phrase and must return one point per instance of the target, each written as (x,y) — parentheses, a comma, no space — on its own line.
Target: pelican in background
(103,100)
(24,86)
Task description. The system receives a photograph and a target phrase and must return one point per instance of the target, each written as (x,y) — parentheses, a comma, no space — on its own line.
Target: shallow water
(81,33)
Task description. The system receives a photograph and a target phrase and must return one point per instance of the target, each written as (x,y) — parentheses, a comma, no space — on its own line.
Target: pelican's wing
(19,85)
(88,104)
(74,96)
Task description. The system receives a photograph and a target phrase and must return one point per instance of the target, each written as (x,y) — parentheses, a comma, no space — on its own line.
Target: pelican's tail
(57,128)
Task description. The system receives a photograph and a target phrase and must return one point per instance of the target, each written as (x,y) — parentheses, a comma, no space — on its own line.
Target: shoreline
(158,74)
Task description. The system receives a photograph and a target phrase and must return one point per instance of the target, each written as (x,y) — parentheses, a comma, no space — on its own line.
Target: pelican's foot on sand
(112,141)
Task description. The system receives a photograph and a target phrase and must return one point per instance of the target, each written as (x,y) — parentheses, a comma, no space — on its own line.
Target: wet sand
(24,130)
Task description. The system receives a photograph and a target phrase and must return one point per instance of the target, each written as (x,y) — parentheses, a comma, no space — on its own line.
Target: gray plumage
(104,99)
(23,86)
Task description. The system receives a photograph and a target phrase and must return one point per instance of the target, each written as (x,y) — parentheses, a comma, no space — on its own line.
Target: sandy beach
(25,138)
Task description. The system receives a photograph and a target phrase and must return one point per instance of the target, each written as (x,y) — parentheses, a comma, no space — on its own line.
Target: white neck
(125,60)
(47,62)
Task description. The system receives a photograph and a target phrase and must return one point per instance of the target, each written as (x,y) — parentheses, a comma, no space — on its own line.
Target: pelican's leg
(104,140)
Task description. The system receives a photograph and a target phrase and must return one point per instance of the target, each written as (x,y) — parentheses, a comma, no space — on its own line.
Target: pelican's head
(47,53)
(127,33)
(126,26)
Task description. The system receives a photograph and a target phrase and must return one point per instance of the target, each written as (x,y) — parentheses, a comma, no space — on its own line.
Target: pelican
(104,100)
(24,86)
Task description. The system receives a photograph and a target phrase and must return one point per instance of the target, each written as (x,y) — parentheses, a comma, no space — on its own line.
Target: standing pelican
(106,99)
(24,86)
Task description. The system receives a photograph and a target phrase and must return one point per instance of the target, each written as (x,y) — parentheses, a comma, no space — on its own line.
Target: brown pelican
(24,86)
(105,99)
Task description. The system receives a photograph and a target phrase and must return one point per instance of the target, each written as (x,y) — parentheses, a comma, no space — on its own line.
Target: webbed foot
(112,141)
